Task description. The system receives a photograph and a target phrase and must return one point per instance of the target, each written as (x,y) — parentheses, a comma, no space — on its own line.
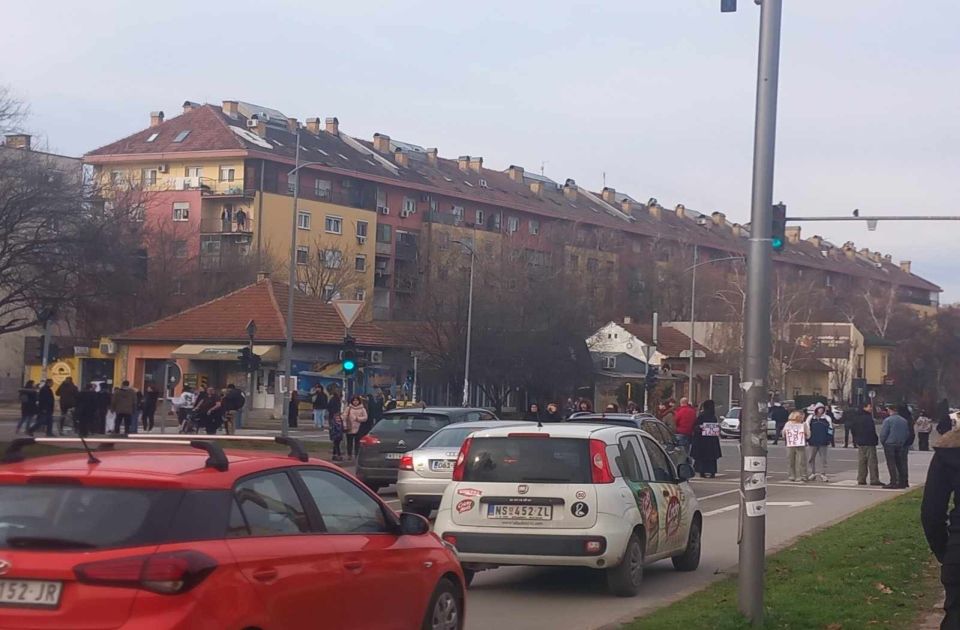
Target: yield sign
(348,310)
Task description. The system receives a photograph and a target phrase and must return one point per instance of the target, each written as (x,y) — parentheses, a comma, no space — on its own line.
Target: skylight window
(279,144)
(344,157)
(322,151)
(447,178)
(153,136)
(182,136)
(468,183)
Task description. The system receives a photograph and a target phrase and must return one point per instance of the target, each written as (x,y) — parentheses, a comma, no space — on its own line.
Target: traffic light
(778,233)
(650,382)
(53,353)
(348,356)
(245,358)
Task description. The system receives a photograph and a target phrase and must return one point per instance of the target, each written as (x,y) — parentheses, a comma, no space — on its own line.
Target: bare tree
(12,111)
(331,269)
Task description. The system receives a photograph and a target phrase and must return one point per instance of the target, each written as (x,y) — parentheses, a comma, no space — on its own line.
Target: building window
(227,173)
(322,189)
(148,176)
(609,363)
(885,363)
(382,201)
(138,213)
(152,137)
(480,217)
(384,233)
(574,260)
(409,205)
(495,221)
(303,254)
(362,230)
(303,220)
(360,294)
(329,293)
(333,225)
(513,224)
(181,211)
(610,266)
(828,280)
(332,258)
(179,288)
(457,212)
(433,204)
(593,264)
(534,226)
(116,178)
(193,171)
(360,262)
(182,136)
(180,249)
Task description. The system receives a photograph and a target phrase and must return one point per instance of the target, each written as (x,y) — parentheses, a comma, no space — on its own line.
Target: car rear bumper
(419,491)
(729,432)
(383,476)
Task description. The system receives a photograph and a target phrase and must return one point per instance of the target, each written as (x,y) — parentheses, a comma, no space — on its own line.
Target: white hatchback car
(598,496)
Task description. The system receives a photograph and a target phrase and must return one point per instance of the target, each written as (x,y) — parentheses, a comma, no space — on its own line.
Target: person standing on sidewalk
(795,435)
(865,437)
(319,403)
(67,393)
(924,426)
(685,417)
(45,404)
(151,398)
(821,436)
(894,434)
(124,405)
(353,418)
(28,406)
(780,416)
(941,525)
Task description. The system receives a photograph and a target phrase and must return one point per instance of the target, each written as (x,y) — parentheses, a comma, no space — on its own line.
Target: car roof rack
(297,450)
(216,459)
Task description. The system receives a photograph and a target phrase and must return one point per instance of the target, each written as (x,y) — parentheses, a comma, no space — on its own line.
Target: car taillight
(406,462)
(461,460)
(600,467)
(449,538)
(165,573)
(369,440)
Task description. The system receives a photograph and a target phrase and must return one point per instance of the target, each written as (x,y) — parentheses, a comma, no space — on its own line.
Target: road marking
(830,486)
(721,510)
(719,494)
(787,504)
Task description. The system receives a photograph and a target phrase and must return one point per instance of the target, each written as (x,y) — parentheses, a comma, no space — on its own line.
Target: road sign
(648,352)
(872,394)
(348,310)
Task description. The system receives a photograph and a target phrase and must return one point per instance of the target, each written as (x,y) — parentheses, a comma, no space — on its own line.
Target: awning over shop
(224,352)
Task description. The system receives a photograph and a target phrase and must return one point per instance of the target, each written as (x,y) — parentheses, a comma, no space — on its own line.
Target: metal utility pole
(466,361)
(251,373)
(45,354)
(753,446)
(693,303)
(284,420)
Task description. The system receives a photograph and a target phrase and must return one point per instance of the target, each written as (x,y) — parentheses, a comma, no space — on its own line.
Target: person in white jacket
(795,433)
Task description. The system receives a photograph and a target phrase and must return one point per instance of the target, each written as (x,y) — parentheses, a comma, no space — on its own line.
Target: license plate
(394,455)
(441,465)
(521,512)
(30,593)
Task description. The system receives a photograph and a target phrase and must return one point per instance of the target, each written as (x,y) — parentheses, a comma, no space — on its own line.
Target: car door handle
(353,565)
(265,575)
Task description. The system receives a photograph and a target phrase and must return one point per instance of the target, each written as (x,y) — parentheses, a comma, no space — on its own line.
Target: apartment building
(392,208)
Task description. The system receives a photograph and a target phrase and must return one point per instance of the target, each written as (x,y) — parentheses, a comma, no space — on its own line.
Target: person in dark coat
(864,430)
(334,402)
(553,413)
(85,413)
(293,409)
(28,406)
(942,417)
(705,450)
(779,415)
(376,408)
(904,411)
(150,399)
(941,524)
(104,400)
(45,405)
(533,413)
(67,393)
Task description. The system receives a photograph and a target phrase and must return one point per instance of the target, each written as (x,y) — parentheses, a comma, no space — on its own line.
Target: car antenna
(91,458)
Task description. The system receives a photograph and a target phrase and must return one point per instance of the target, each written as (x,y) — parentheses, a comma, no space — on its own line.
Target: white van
(605,497)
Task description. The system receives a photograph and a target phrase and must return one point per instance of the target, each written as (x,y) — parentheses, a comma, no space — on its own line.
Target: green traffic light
(349,365)
(777,243)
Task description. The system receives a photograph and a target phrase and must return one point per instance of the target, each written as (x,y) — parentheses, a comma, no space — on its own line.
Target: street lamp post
(466,361)
(284,418)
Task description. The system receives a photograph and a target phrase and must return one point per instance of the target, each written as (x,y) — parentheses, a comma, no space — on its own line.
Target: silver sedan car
(426,471)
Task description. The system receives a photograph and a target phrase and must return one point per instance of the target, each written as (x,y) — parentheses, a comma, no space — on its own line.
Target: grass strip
(873,570)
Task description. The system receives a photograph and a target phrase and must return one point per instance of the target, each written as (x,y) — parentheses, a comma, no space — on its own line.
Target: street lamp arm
(708,262)
(297,168)
(465,244)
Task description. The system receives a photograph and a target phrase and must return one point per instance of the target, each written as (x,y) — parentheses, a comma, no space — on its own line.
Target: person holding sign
(796,433)
(705,450)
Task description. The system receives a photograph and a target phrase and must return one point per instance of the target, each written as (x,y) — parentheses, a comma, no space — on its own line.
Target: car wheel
(445,609)
(689,560)
(624,579)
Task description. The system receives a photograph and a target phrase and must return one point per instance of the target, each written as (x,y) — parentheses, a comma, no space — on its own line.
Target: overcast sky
(656,94)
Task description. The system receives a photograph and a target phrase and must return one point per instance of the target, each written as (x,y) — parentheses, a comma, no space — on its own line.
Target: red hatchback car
(158,537)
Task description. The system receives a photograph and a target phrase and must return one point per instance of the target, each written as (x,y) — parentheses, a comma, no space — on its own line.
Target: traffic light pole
(45,357)
(753,445)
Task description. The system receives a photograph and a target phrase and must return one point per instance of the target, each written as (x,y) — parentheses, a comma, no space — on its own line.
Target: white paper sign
(756,508)
(754,464)
(756,481)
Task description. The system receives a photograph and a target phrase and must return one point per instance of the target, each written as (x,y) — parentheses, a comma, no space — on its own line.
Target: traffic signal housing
(348,356)
(652,378)
(778,232)
(249,361)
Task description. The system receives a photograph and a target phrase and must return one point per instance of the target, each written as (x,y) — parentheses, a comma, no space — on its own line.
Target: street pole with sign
(251,373)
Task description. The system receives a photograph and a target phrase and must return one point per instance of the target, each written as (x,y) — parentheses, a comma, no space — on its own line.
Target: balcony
(406,251)
(215,225)
(210,187)
(384,249)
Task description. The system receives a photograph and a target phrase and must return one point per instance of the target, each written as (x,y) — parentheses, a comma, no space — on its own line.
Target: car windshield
(402,422)
(529,460)
(82,517)
(734,413)
(448,438)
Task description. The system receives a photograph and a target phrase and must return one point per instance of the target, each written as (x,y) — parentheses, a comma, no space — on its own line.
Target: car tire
(445,611)
(624,579)
(689,560)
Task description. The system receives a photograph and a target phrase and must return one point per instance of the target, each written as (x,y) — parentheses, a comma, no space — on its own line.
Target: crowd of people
(350,422)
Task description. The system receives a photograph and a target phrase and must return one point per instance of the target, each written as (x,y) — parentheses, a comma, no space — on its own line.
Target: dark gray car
(657,429)
(401,431)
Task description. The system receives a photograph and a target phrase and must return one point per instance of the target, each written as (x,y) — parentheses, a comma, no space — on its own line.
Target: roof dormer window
(182,136)
(152,137)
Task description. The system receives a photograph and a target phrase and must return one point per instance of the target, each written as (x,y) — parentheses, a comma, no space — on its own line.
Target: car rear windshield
(401,422)
(622,422)
(734,413)
(68,516)
(528,460)
(448,438)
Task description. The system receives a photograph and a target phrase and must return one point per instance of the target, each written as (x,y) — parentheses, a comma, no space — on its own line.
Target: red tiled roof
(671,342)
(208,132)
(225,319)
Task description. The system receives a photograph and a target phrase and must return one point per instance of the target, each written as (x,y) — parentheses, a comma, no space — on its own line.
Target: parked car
(400,431)
(426,471)
(660,432)
(730,423)
(148,537)
(589,495)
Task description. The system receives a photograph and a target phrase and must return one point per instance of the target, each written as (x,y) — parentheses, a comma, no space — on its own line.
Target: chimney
(570,189)
(381,143)
(476,164)
(401,158)
(719,218)
(888,258)
(261,128)
(628,320)
(850,250)
(737,229)
(816,241)
(332,125)
(18,141)
(156,118)
(463,163)
(432,156)
(292,125)
(626,207)
(866,253)
(515,173)
(609,195)
(905,266)
(536,187)
(313,125)
(189,106)
(681,209)
(793,234)
(230,108)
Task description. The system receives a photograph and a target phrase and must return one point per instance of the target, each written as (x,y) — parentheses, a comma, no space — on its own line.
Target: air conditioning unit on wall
(376,356)
(108,348)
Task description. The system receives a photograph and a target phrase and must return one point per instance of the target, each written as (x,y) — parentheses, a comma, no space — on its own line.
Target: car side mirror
(685,472)
(413,524)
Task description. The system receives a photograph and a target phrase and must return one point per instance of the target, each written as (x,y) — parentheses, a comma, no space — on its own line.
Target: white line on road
(788,504)
(721,510)
(719,494)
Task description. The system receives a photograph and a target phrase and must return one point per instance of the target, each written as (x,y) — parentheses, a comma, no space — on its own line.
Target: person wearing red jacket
(686,417)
